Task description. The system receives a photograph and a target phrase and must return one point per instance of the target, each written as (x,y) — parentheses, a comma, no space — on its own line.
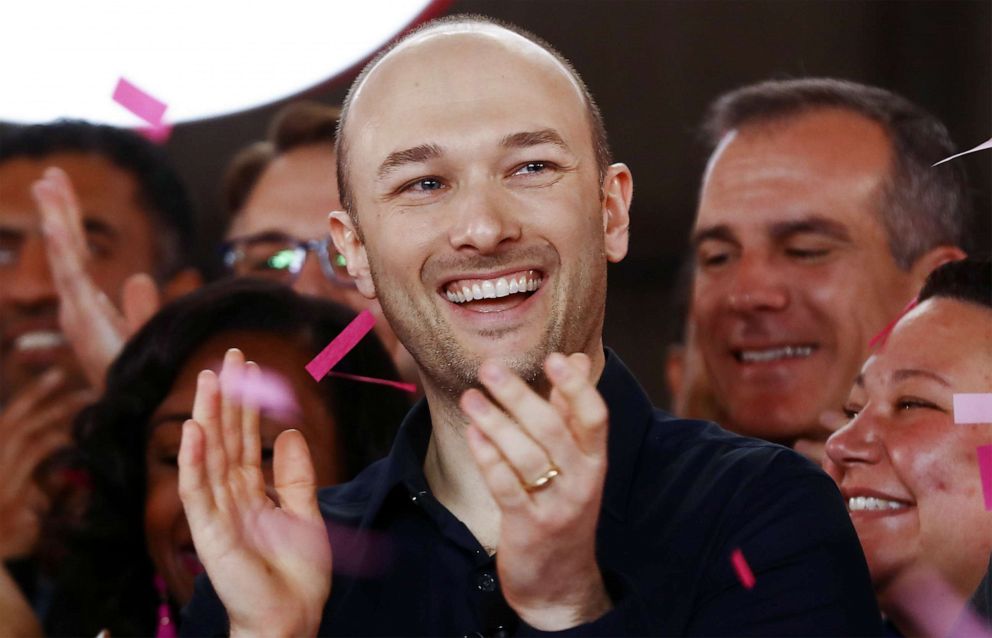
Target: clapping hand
(269,563)
(91,323)
(544,462)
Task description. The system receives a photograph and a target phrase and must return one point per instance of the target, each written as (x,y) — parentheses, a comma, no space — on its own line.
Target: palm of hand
(270,565)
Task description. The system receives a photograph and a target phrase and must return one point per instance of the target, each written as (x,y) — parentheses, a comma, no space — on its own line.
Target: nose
(484,220)
(311,279)
(757,285)
(30,281)
(857,443)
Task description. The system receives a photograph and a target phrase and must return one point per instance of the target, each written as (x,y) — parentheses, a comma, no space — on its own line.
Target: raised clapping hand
(89,320)
(270,565)
(546,556)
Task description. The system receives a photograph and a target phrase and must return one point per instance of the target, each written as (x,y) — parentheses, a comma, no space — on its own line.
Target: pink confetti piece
(881,337)
(272,393)
(973,408)
(341,345)
(743,570)
(980,147)
(406,387)
(139,102)
(985,471)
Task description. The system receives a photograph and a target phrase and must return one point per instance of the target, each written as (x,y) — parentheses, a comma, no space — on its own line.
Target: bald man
(535,489)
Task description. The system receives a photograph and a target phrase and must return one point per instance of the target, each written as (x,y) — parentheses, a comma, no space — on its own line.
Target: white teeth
(502,288)
(772,354)
(492,289)
(872,504)
(39,340)
(488,290)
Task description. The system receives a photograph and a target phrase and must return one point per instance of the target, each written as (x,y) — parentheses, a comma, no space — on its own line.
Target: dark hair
(921,206)
(160,191)
(968,280)
(108,578)
(600,143)
(296,125)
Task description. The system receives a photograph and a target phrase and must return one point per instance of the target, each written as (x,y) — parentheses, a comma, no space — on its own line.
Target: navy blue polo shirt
(680,497)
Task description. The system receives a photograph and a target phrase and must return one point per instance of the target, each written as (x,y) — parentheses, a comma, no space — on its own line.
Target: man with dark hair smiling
(819,218)
(93,221)
(531,491)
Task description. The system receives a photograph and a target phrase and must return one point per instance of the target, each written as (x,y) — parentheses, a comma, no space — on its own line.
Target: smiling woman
(908,471)
(135,557)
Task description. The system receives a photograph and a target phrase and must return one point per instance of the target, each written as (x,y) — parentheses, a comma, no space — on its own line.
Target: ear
(184,282)
(346,239)
(931,260)
(618,190)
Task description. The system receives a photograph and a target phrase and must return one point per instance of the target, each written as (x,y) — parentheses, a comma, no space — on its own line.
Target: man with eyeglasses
(278,194)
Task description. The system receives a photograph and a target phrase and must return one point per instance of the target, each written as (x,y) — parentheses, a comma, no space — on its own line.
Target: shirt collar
(630,412)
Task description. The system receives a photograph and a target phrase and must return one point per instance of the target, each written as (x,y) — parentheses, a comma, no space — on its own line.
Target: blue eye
(426,184)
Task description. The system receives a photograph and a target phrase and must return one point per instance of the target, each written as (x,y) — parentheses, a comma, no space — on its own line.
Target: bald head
(455,51)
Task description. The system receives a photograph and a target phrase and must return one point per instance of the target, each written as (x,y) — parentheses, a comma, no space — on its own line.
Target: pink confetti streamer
(139,102)
(973,408)
(406,387)
(743,570)
(980,147)
(985,471)
(882,336)
(341,345)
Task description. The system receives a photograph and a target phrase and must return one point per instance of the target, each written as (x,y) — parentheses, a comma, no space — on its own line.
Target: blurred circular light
(203,59)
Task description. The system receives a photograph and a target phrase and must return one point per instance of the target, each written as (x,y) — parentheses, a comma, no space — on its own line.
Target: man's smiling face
(485,229)
(794,270)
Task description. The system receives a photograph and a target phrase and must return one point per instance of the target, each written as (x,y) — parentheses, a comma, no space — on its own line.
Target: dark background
(654,66)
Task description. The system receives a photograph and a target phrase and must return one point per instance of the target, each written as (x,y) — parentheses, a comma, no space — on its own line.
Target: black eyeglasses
(281,257)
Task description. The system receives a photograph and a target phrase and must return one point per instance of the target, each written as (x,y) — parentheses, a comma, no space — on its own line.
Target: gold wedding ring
(543,480)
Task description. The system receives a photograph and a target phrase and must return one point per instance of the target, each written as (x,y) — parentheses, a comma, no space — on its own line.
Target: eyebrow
(527,139)
(99,227)
(412,155)
(813,224)
(906,373)
(720,232)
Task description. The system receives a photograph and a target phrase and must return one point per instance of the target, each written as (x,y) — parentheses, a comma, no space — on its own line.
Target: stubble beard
(452,369)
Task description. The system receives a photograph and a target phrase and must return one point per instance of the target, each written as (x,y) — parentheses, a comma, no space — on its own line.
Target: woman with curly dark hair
(132,564)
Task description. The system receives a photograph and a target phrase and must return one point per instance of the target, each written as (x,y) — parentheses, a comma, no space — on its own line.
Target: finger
(534,415)
(35,392)
(294,477)
(194,489)
(524,456)
(140,300)
(502,481)
(232,382)
(69,208)
(584,364)
(66,256)
(589,415)
(206,413)
(251,441)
